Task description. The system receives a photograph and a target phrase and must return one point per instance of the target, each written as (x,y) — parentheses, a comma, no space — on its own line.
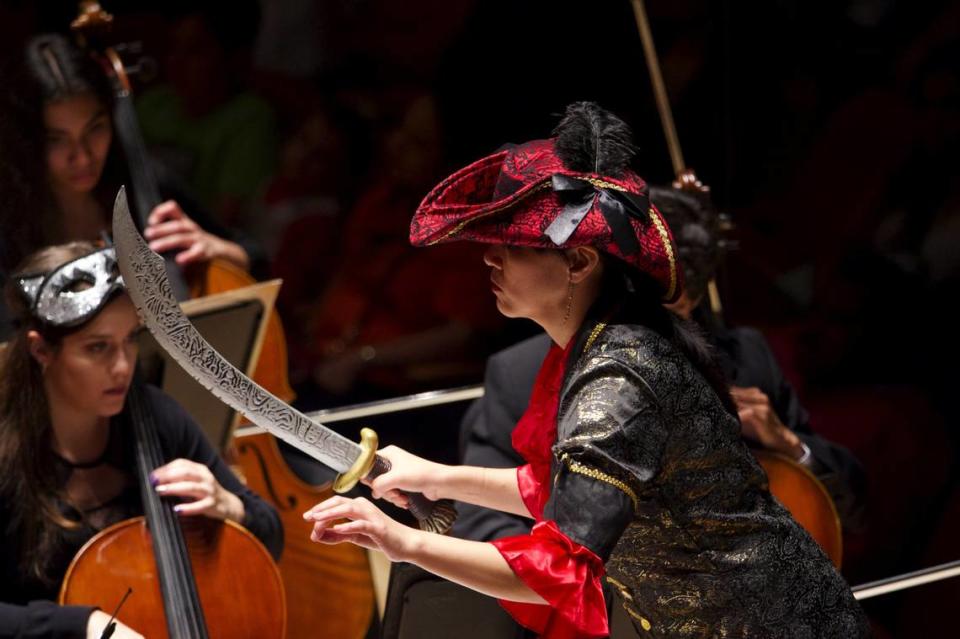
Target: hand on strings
(170,229)
(407,473)
(365,525)
(97,623)
(201,491)
(760,423)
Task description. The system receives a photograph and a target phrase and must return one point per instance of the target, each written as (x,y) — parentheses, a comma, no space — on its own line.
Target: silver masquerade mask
(75,291)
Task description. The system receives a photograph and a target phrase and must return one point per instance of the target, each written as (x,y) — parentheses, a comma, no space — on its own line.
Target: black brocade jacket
(651,474)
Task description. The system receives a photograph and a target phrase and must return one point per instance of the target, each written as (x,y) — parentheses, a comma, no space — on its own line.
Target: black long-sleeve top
(27,608)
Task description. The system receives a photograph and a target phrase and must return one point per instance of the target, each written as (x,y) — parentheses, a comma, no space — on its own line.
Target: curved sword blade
(146,280)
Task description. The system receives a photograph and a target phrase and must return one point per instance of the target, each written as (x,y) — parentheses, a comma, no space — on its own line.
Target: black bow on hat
(579,196)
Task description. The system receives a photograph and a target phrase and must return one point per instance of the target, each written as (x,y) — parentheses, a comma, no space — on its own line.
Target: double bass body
(192,577)
(238,583)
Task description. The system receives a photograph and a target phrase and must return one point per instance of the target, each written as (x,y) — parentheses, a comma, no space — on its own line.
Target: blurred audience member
(303,210)
(378,328)
(202,121)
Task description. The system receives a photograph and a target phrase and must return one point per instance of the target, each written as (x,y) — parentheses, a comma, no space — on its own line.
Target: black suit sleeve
(834,465)
(486,433)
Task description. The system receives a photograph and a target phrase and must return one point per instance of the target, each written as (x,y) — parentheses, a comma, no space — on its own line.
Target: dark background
(827,131)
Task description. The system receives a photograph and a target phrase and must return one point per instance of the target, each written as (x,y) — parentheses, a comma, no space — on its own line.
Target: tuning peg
(91,16)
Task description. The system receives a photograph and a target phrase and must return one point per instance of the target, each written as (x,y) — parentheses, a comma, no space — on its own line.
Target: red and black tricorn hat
(526,196)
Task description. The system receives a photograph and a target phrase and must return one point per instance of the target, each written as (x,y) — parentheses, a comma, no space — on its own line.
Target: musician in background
(66,443)
(770,412)
(62,168)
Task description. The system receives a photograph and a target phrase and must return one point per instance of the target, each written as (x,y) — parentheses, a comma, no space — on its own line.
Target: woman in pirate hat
(636,469)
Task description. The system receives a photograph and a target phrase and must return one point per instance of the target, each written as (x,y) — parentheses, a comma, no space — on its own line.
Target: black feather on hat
(590,139)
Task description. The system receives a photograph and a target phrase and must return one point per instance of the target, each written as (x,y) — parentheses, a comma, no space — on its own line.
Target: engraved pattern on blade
(146,278)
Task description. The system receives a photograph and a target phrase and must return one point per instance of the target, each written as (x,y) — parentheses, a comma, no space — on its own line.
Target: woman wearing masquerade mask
(62,161)
(635,466)
(67,457)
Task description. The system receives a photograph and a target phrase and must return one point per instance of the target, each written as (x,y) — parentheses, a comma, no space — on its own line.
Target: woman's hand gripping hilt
(432,516)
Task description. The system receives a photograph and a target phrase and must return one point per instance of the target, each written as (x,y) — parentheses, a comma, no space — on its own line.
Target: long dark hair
(62,70)
(51,68)
(634,297)
(28,480)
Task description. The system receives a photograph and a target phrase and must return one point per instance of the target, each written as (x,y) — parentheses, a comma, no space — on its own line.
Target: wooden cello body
(226,559)
(191,577)
(329,588)
(807,500)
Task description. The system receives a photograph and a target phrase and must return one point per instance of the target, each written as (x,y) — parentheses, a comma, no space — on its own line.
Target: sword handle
(345,481)
(433,516)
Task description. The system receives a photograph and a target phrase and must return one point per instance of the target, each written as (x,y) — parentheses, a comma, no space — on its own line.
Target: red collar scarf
(566,574)
(536,432)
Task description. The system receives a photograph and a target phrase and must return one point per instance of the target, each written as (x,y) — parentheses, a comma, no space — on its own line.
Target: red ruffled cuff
(566,574)
(532,490)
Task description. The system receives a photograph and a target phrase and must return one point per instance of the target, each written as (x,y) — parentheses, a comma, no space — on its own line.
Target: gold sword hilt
(433,516)
(346,480)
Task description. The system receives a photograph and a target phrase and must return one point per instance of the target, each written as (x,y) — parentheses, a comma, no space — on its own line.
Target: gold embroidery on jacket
(599,475)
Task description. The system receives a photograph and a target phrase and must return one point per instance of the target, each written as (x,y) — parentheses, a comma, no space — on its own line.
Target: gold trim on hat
(668,246)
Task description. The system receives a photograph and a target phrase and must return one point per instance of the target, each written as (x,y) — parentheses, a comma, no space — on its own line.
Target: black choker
(99,461)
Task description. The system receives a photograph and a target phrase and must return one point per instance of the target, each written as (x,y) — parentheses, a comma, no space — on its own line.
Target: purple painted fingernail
(178,508)
(153,480)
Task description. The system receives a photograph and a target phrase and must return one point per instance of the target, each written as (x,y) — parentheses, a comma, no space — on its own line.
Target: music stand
(234,323)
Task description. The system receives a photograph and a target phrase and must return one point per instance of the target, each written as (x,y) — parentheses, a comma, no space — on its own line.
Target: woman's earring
(566,314)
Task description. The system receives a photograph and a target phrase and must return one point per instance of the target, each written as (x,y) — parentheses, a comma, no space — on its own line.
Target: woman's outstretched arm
(474,564)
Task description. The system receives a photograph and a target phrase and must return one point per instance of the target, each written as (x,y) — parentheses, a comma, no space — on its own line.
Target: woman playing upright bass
(65,449)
